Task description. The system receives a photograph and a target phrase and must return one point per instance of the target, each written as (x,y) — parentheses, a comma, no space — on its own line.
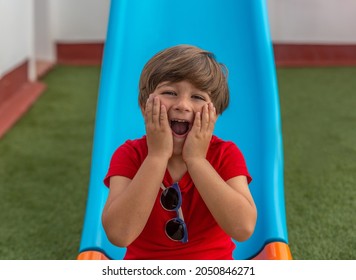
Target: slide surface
(238,33)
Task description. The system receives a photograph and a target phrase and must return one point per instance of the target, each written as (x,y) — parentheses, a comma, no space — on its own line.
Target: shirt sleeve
(125,161)
(233,163)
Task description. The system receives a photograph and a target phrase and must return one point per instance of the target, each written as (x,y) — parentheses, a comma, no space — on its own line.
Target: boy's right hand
(158,132)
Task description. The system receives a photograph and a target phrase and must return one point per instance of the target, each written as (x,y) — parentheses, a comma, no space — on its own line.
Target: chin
(178,143)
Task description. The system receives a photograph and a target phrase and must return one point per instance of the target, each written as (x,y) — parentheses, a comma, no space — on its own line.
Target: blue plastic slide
(237,31)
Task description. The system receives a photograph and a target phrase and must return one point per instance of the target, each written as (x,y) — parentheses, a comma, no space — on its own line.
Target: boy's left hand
(197,143)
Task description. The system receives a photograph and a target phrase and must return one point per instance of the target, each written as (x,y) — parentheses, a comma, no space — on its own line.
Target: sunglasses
(171,200)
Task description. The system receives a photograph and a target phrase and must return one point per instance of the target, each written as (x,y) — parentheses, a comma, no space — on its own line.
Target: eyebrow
(163,84)
(168,83)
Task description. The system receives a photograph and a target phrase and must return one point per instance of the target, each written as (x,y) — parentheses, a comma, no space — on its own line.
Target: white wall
(291,21)
(29,29)
(79,20)
(14,33)
(43,42)
(313,21)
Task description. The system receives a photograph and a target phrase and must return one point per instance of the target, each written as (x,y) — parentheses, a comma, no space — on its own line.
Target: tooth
(179,120)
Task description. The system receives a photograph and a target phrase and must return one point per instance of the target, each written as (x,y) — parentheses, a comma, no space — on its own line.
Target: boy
(179,192)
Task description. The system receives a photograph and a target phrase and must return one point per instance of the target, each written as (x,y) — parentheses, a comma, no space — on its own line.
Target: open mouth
(180,127)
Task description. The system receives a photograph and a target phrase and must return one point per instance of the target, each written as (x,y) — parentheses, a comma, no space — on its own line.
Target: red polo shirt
(206,239)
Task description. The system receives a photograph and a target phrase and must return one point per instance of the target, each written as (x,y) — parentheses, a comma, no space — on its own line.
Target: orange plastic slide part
(272,251)
(275,251)
(92,255)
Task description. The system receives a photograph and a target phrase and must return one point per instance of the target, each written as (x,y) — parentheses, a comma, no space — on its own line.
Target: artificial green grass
(319,130)
(45,165)
(44,169)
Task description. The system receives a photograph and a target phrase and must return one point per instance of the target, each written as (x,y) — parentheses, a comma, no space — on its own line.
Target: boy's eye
(199,97)
(169,93)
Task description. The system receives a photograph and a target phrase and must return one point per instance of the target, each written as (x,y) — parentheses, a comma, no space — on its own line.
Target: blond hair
(190,63)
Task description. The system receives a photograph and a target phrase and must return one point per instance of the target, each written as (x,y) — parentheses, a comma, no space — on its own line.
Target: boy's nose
(183,104)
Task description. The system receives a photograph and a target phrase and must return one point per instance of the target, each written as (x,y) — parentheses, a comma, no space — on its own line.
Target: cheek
(164,101)
(199,108)
(161,98)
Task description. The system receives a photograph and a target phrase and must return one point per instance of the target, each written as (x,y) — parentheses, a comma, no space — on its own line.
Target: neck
(176,167)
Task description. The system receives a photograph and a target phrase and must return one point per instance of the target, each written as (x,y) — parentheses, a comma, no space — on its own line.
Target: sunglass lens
(175,229)
(170,199)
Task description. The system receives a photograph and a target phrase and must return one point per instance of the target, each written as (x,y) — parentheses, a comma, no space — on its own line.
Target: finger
(148,110)
(156,111)
(205,116)
(197,122)
(212,116)
(163,117)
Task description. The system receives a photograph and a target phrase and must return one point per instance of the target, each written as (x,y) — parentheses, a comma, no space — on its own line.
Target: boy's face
(182,101)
